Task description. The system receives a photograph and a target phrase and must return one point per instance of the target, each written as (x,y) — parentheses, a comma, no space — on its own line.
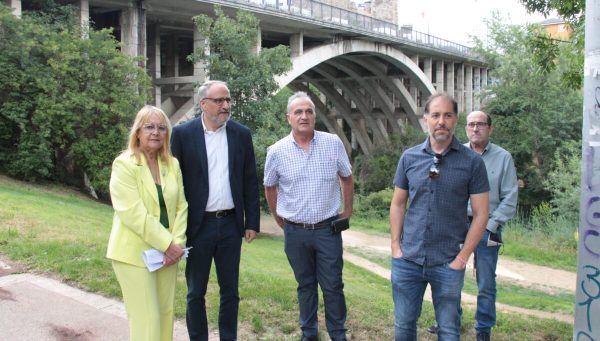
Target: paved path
(524,274)
(43,309)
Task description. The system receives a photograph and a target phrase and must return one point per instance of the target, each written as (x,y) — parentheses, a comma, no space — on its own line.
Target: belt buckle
(309,226)
(220,214)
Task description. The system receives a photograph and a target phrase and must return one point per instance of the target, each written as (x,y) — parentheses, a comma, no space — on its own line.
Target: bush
(375,205)
(564,181)
(65,102)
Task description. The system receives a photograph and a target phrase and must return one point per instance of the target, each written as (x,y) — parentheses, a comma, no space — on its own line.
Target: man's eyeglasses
(434,170)
(479,125)
(219,101)
(150,128)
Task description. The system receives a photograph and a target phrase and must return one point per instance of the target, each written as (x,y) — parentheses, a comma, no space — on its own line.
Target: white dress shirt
(217,152)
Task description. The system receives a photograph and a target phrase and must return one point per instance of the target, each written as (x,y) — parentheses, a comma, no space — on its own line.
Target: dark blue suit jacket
(188,146)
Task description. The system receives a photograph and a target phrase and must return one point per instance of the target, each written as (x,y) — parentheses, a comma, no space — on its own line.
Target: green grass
(58,233)
(558,252)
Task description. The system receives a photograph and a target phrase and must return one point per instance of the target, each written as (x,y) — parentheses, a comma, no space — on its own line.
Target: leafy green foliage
(65,102)
(250,76)
(545,49)
(563,181)
(534,113)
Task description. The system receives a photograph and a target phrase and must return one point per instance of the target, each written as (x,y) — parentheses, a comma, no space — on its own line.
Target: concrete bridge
(372,76)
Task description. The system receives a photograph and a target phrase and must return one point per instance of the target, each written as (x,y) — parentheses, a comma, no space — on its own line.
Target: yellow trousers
(149,300)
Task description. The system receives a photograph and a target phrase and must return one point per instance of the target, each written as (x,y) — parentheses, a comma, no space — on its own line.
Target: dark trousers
(316,258)
(219,239)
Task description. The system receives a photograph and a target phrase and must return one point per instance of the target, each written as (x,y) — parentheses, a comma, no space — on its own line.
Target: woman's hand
(172,254)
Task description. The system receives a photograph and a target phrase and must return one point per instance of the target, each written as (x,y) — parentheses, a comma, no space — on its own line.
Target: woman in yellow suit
(150,213)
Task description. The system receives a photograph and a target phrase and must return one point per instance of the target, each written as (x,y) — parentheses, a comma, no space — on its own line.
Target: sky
(455,20)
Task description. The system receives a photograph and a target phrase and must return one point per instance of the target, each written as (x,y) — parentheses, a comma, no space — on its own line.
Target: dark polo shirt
(436,222)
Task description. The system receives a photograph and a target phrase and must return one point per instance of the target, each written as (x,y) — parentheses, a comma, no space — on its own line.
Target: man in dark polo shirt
(431,240)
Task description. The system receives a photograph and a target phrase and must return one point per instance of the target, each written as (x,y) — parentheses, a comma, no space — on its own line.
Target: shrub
(375,205)
(65,102)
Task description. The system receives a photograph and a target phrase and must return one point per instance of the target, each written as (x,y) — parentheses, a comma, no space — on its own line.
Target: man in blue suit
(217,161)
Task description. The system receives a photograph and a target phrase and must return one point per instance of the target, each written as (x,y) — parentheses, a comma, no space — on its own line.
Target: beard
(441,138)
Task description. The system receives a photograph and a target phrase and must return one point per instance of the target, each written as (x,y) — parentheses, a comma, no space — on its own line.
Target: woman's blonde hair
(142,117)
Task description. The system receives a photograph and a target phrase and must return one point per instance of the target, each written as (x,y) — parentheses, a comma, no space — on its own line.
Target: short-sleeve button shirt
(435,225)
(308,182)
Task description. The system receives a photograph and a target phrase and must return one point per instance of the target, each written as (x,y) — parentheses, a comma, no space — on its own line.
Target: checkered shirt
(308,182)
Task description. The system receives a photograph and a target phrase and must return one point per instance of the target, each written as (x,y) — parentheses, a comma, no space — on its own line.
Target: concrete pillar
(449,79)
(15,5)
(484,78)
(439,75)
(296,44)
(84,17)
(256,49)
(468,88)
(477,88)
(133,30)
(415,59)
(154,61)
(427,63)
(169,62)
(459,92)
(200,43)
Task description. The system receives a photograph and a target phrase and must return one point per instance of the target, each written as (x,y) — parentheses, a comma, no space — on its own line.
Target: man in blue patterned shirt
(431,240)
(304,173)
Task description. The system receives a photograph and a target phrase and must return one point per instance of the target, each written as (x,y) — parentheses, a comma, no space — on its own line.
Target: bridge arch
(367,83)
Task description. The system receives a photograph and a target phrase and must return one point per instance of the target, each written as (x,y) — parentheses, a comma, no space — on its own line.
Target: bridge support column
(449,79)
(459,93)
(200,43)
(427,65)
(468,88)
(256,49)
(84,17)
(154,60)
(296,44)
(439,75)
(133,30)
(15,5)
(484,78)
(477,88)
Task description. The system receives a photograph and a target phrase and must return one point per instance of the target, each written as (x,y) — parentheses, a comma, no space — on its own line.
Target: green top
(164,218)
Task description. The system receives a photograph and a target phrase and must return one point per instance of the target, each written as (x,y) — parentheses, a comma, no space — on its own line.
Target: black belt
(219,214)
(320,225)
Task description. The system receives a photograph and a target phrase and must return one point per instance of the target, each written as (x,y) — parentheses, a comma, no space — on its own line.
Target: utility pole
(587,306)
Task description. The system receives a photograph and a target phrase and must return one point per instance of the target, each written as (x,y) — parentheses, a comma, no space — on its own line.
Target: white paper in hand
(153,259)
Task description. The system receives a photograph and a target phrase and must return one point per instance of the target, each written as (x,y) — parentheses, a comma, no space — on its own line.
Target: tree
(545,50)
(65,102)
(250,76)
(534,113)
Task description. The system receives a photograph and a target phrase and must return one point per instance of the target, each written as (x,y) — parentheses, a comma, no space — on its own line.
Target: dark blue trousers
(316,258)
(219,239)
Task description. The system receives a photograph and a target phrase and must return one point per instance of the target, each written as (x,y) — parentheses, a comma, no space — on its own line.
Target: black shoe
(312,338)
(483,336)
(433,329)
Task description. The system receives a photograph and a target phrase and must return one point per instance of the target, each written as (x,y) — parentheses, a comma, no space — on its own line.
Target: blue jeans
(316,258)
(409,281)
(486,258)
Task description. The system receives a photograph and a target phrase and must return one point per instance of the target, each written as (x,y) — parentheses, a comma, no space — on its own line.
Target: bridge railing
(335,15)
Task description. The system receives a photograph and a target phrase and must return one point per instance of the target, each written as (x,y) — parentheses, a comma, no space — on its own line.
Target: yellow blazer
(136,226)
